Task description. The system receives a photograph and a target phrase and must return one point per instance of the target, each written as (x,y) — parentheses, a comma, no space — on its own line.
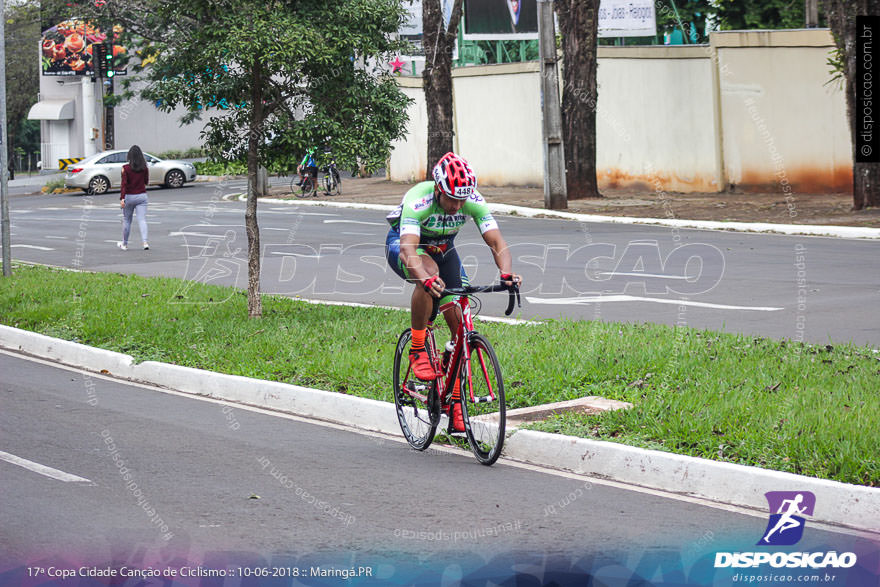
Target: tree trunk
(437,77)
(842,20)
(255,305)
(579,27)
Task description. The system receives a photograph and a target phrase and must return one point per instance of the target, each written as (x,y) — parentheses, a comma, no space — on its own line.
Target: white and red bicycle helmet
(455,177)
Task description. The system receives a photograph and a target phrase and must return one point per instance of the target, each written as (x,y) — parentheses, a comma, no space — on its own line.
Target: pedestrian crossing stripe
(63,163)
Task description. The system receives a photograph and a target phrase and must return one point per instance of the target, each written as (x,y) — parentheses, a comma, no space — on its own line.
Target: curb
(852,506)
(848,232)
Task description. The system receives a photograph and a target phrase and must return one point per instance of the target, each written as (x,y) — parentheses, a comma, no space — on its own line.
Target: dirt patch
(813,209)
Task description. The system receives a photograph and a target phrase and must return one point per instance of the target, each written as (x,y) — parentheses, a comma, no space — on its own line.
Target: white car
(101,172)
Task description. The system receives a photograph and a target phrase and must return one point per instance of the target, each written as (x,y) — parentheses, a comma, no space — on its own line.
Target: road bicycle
(471,361)
(332,181)
(307,188)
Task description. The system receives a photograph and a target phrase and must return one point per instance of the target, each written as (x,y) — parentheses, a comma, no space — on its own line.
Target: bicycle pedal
(416,387)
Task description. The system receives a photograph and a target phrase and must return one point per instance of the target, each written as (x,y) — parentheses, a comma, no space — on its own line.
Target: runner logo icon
(786,524)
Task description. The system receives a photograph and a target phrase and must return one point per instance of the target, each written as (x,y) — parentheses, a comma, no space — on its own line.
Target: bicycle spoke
(483,404)
(412,399)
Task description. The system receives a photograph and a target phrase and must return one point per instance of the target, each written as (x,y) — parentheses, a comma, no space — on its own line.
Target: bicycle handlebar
(512,290)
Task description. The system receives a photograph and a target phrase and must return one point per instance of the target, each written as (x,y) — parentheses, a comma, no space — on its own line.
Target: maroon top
(133,182)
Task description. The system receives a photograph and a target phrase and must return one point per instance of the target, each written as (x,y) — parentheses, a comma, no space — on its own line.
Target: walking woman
(133,195)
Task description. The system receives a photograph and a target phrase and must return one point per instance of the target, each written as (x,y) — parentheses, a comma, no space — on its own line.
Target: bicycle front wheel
(413,399)
(330,185)
(482,400)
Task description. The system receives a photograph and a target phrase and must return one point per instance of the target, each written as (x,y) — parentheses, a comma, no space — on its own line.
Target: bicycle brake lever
(512,292)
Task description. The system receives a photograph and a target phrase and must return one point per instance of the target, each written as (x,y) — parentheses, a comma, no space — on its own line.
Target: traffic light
(108,59)
(99,59)
(102,60)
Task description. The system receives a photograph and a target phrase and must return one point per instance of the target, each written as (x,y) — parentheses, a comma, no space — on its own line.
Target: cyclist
(420,249)
(310,166)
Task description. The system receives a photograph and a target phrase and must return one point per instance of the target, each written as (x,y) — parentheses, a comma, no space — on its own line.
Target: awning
(52,110)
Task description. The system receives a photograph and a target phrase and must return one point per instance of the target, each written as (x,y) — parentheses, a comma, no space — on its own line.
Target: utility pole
(555,193)
(811,14)
(4,150)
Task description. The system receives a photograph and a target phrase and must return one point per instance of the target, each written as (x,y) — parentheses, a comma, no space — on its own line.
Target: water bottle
(447,352)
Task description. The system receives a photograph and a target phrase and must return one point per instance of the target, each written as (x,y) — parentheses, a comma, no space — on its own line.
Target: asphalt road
(163,480)
(814,289)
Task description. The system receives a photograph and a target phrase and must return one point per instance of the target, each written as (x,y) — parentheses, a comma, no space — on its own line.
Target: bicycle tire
(418,419)
(331,185)
(482,400)
(338,181)
(308,188)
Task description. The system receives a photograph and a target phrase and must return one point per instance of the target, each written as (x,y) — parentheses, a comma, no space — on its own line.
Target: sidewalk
(37,181)
(803,209)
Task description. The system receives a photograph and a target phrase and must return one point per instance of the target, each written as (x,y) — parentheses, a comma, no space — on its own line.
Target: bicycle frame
(461,349)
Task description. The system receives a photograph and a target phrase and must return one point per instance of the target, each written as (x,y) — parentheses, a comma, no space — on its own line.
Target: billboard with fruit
(66,47)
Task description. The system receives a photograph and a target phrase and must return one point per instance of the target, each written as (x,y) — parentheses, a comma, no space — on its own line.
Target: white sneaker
(122,245)
(146,246)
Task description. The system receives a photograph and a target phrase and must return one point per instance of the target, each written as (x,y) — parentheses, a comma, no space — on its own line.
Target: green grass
(811,410)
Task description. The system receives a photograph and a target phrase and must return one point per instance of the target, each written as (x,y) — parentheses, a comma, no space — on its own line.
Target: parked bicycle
(332,181)
(471,361)
(303,187)
(306,185)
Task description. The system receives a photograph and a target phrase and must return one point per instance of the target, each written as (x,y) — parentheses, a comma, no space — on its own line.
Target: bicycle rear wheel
(482,400)
(415,400)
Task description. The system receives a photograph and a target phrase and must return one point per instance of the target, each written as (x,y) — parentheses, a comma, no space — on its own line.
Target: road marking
(625,298)
(287,211)
(283,254)
(203,234)
(42,469)
(355,222)
(33,247)
(63,238)
(622,274)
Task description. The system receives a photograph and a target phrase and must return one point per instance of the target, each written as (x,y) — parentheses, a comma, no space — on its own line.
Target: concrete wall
(498,129)
(752,111)
(141,123)
(655,121)
(408,156)
(782,120)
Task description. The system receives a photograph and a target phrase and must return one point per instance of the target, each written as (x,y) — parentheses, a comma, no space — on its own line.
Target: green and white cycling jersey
(420,214)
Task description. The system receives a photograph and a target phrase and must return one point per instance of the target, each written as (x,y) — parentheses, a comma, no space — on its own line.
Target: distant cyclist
(420,249)
(310,166)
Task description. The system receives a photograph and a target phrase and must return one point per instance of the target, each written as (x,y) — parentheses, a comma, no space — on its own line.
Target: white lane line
(636,274)
(624,298)
(278,229)
(42,469)
(287,210)
(283,254)
(202,234)
(354,222)
(61,238)
(502,319)
(33,247)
